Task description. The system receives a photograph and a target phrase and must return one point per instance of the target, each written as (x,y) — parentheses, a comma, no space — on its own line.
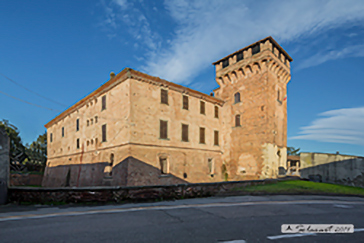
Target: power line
(29,103)
(31,90)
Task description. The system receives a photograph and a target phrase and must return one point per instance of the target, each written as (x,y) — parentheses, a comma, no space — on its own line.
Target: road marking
(234,241)
(275,237)
(210,205)
(289,236)
(342,206)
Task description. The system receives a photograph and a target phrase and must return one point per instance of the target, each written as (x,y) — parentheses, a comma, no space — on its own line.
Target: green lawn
(303,187)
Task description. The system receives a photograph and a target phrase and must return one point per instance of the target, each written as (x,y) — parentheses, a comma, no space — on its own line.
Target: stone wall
(120,194)
(333,168)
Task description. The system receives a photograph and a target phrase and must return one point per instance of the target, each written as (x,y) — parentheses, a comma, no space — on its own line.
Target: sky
(54,53)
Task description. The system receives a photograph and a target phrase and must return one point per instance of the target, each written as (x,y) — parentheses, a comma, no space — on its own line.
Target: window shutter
(184,133)
(216,112)
(202,135)
(103,102)
(202,107)
(163,129)
(104,133)
(216,137)
(185,102)
(164,96)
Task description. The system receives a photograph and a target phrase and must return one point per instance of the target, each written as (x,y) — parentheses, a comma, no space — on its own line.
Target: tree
(17,149)
(31,157)
(37,152)
(293,151)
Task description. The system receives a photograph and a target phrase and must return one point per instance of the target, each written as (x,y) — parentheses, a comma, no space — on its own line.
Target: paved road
(237,219)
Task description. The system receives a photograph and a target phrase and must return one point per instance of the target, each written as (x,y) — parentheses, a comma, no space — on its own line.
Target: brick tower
(253,84)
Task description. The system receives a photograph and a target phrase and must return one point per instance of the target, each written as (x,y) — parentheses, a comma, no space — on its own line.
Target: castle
(137,129)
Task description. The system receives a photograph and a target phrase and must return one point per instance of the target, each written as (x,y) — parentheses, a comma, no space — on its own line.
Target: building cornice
(129,73)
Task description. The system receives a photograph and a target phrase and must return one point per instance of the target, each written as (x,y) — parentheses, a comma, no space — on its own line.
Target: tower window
(78,143)
(163,129)
(236,97)
(164,96)
(103,128)
(51,137)
(202,135)
(62,132)
(185,102)
(237,120)
(225,63)
(216,112)
(103,105)
(77,125)
(96,119)
(202,107)
(216,138)
(256,49)
(184,133)
(239,56)
(88,122)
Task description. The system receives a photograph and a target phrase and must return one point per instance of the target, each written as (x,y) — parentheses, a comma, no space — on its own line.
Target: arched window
(237,97)
(237,120)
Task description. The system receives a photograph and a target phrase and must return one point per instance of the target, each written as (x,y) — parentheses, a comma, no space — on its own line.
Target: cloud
(322,57)
(337,126)
(206,30)
(121,13)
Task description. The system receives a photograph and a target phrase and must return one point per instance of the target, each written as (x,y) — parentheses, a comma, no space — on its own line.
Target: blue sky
(63,50)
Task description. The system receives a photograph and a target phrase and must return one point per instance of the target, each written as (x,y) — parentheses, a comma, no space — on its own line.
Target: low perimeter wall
(25,179)
(119,194)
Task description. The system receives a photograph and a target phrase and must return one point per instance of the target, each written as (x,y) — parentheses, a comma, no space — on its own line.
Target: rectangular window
(163,128)
(216,138)
(104,133)
(62,132)
(103,105)
(239,56)
(164,165)
(225,63)
(216,112)
(78,143)
(237,120)
(164,96)
(77,125)
(202,135)
(202,107)
(185,102)
(184,133)
(211,165)
(96,119)
(256,49)
(51,137)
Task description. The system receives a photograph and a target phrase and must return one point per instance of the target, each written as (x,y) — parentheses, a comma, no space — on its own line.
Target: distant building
(333,168)
(137,129)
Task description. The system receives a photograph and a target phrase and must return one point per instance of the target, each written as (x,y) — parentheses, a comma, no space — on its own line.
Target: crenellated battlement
(254,59)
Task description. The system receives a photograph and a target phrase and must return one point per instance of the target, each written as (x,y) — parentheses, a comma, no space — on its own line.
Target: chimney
(112,75)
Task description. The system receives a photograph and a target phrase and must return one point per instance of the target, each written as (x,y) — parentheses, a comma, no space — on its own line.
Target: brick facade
(135,149)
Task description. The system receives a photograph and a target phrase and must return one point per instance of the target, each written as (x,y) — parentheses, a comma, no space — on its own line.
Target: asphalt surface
(230,219)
